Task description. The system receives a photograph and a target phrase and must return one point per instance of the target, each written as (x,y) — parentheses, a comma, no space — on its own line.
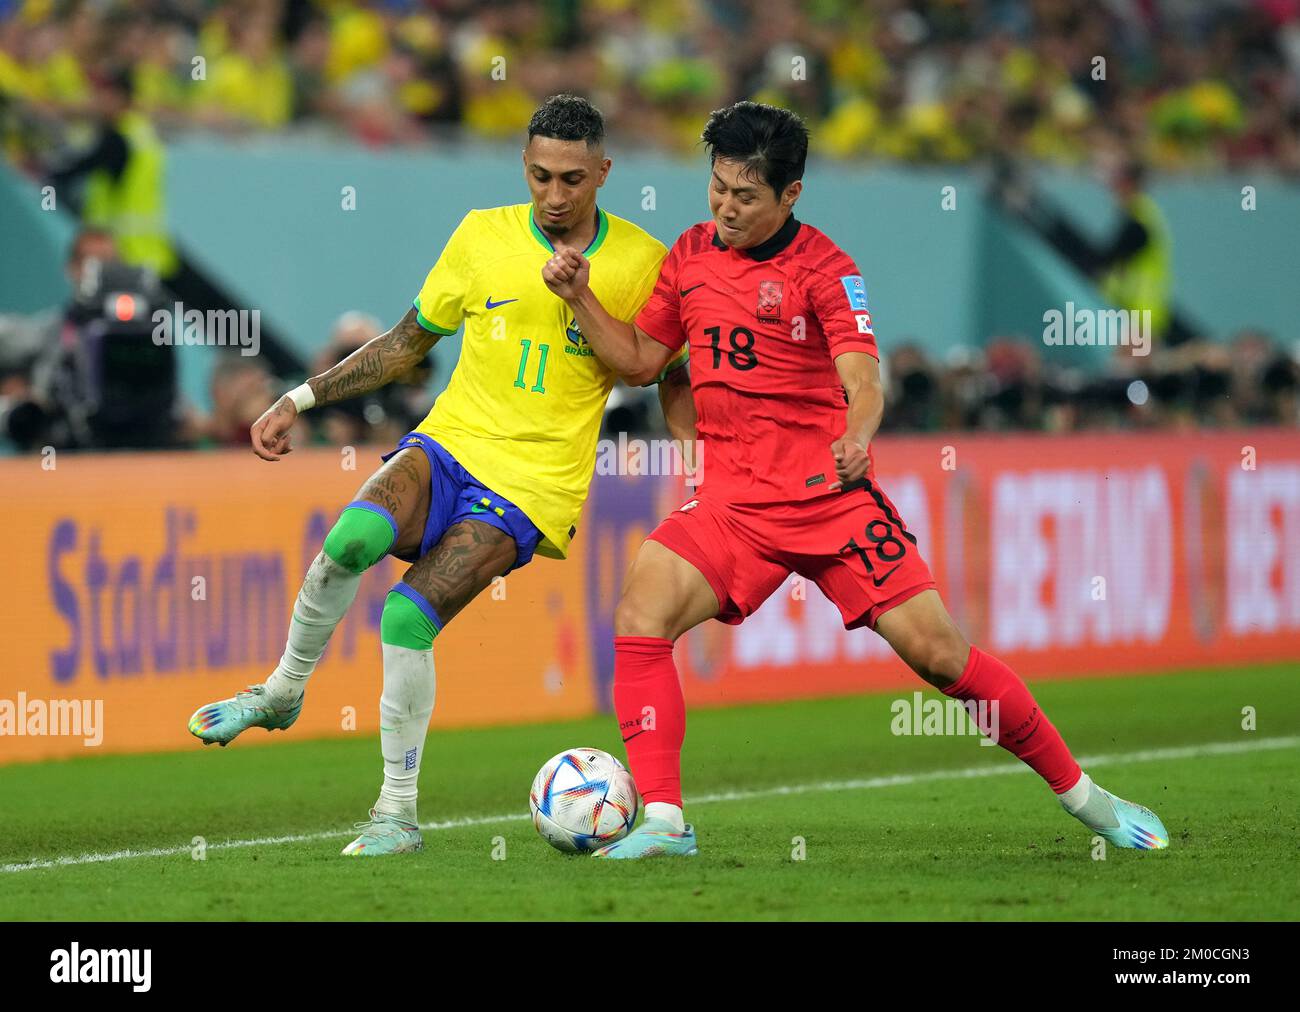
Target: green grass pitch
(941,840)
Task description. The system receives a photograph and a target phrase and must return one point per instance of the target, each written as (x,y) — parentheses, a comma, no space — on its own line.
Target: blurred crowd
(1168,84)
(44,400)
(59,385)
(1178,83)
(1008,386)
(1005,386)
(63,384)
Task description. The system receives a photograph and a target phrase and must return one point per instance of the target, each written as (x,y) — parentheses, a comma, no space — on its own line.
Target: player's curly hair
(772,142)
(568,118)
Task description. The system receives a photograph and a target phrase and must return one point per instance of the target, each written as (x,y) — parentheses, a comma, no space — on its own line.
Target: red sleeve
(660,317)
(839,298)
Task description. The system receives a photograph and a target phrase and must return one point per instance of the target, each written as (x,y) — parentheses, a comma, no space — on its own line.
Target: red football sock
(651,715)
(1023,728)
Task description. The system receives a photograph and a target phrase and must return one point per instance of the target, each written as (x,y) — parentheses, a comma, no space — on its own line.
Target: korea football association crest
(770,294)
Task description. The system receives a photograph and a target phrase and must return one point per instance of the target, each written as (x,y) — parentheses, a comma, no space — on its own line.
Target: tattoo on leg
(401,487)
(461,565)
(398,482)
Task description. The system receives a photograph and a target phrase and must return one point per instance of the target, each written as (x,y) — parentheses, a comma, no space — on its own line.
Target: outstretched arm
(624,347)
(376,363)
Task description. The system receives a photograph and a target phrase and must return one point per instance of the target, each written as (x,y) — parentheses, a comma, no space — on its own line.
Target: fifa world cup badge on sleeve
(856,290)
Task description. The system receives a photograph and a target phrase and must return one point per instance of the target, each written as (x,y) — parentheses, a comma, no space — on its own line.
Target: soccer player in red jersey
(786,381)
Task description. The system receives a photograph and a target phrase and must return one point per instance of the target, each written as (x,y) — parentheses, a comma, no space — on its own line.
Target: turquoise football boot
(221,722)
(384,834)
(653,838)
(1121,822)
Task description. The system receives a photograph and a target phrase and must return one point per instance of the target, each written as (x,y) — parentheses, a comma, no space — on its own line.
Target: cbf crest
(577,343)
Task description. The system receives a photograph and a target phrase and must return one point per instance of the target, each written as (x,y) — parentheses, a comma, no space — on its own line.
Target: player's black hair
(772,142)
(568,118)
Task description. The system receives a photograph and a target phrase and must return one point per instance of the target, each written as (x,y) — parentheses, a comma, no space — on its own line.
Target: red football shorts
(851,544)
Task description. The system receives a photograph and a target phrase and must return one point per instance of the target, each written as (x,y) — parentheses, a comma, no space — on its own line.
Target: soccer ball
(582,799)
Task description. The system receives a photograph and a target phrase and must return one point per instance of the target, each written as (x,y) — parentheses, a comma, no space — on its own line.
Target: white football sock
(1087,804)
(404,711)
(327,591)
(1076,796)
(667,812)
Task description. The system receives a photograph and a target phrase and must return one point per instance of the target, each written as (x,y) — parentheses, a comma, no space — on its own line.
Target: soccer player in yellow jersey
(497,471)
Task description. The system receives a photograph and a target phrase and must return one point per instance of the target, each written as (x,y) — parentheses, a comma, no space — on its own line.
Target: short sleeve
(839,298)
(660,317)
(639,293)
(440,306)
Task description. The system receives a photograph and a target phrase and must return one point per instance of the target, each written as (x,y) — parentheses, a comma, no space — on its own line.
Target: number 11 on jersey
(538,388)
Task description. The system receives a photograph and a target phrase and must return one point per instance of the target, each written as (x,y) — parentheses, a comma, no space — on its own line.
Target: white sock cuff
(1077,796)
(663,810)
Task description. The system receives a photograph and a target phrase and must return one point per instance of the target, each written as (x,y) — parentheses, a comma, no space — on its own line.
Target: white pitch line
(902,779)
(870,783)
(264,841)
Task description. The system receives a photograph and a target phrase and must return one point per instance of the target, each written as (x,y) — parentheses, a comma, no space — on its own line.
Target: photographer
(97,377)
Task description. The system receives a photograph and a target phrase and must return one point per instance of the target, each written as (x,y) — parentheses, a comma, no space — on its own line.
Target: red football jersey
(764,326)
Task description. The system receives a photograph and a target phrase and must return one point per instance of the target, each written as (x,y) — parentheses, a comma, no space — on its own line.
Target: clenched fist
(851,461)
(567,273)
(271,433)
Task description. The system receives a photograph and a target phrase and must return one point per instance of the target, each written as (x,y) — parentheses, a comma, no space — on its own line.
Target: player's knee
(408,619)
(632,618)
(943,660)
(361,536)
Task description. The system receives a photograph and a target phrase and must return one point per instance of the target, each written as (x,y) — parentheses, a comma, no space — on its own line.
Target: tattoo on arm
(375,363)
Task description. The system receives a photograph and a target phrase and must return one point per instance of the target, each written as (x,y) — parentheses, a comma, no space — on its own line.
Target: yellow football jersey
(523,407)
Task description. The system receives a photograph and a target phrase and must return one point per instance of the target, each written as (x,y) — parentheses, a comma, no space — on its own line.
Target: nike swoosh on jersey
(493,305)
(882,579)
(687,291)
